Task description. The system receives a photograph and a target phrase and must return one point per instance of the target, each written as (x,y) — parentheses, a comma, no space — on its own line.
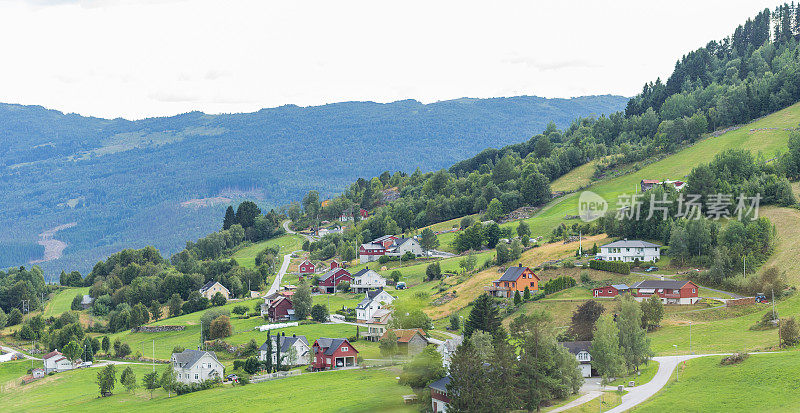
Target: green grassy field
(62,300)
(576,178)
(327,391)
(246,257)
(757,384)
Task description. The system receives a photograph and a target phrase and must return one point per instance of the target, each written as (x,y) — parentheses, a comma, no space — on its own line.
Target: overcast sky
(142,58)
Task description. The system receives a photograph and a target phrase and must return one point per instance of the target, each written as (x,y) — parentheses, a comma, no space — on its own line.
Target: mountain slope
(122,182)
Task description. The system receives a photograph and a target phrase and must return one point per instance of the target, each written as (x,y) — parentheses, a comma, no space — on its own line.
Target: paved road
(9,350)
(579,401)
(289,231)
(285,266)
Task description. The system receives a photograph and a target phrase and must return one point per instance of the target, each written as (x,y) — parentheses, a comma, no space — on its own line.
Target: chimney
(294,335)
(520,265)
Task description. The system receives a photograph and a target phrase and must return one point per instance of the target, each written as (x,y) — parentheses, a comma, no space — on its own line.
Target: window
(196,376)
(345,349)
(693,291)
(329,360)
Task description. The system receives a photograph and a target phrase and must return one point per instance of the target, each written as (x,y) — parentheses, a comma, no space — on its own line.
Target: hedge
(558,284)
(612,266)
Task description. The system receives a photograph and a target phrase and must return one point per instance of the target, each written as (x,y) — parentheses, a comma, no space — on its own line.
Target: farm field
(576,178)
(246,257)
(62,300)
(753,385)
(76,390)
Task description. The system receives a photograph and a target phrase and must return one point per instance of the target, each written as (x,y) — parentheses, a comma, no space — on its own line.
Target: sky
(140,58)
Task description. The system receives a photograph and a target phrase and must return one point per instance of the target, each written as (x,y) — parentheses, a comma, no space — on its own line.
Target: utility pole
(775,317)
(154,356)
(690,338)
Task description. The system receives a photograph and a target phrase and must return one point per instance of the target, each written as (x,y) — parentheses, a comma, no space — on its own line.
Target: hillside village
(478,288)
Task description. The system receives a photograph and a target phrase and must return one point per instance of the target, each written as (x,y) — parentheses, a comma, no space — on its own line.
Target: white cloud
(145,58)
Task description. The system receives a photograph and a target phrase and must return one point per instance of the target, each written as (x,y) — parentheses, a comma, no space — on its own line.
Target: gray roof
(452,343)
(575,347)
(660,284)
(441,384)
(208,285)
(624,243)
(620,286)
(286,342)
(369,297)
(188,358)
(513,273)
(330,273)
(331,344)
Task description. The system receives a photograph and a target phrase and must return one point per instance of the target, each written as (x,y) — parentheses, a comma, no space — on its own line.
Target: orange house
(514,279)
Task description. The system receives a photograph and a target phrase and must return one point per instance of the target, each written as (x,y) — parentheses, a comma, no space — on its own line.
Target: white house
(580,349)
(629,251)
(404,245)
(195,366)
(448,348)
(439,398)
(374,300)
(366,280)
(212,288)
(54,361)
(388,245)
(300,356)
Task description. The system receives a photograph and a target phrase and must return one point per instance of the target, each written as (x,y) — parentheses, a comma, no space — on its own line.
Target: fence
(274,376)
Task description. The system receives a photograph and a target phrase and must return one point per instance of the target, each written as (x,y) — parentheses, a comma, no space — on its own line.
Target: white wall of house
(410,245)
(205,368)
(365,314)
(216,288)
(629,254)
(370,280)
(303,354)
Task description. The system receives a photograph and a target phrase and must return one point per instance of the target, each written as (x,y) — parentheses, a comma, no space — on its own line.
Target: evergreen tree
(483,316)
(302,300)
(517,298)
(278,352)
(246,214)
(527,294)
(230,218)
(469,389)
(428,240)
(269,352)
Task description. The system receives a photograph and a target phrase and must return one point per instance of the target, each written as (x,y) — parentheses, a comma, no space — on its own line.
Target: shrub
(734,358)
(585,277)
(220,327)
(611,266)
(790,334)
(123,350)
(319,313)
(558,284)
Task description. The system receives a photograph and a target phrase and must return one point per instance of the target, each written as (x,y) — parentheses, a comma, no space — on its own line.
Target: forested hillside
(122,182)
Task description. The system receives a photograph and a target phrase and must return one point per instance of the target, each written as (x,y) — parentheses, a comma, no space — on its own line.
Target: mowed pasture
(62,301)
(246,257)
(326,391)
(763,382)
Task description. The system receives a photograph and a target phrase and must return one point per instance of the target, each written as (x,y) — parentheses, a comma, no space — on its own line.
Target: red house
(281,309)
(439,400)
(336,264)
(333,353)
(307,267)
(670,291)
(332,278)
(610,290)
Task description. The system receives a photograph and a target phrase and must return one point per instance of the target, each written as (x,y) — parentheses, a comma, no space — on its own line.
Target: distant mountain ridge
(123,181)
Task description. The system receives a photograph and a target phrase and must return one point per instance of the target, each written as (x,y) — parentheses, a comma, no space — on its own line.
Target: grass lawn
(62,300)
(328,391)
(757,384)
(646,373)
(246,257)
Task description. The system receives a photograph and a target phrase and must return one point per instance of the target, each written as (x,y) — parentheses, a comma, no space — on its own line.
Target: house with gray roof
(581,351)
(295,350)
(212,287)
(439,399)
(515,279)
(630,251)
(373,300)
(195,366)
(366,280)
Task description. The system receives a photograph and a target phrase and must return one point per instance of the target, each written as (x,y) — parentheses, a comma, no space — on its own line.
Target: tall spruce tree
(606,355)
(483,316)
(469,389)
(230,218)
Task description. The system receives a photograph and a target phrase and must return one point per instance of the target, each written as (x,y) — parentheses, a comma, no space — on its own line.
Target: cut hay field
(62,300)
(576,178)
(327,391)
(246,257)
(757,384)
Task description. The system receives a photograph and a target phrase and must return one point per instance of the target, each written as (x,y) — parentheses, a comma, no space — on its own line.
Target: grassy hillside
(332,391)
(677,166)
(246,257)
(62,300)
(754,385)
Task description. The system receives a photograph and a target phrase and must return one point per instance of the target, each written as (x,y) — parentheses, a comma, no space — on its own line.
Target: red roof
(405,335)
(51,354)
(651,181)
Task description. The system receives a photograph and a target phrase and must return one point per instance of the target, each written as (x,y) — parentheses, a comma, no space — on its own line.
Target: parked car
(232,377)
(761,298)
(651,269)
(401,285)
